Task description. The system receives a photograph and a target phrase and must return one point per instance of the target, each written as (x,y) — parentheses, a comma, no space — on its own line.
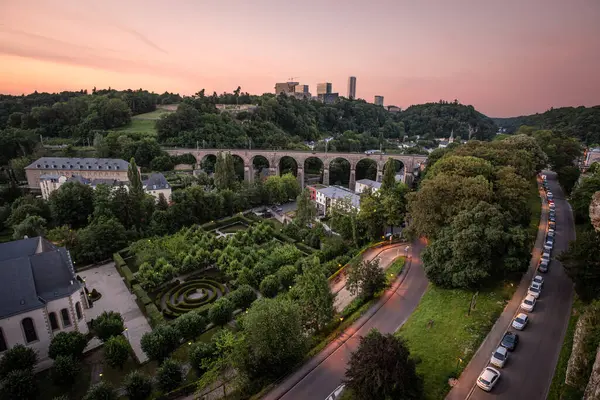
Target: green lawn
(239,226)
(156,114)
(394,270)
(453,334)
(559,390)
(147,126)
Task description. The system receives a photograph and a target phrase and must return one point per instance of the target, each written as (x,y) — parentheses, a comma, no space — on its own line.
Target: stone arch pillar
(352,182)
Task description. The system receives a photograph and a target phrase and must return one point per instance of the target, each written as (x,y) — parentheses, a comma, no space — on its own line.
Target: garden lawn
(156,114)
(453,335)
(234,228)
(48,391)
(147,126)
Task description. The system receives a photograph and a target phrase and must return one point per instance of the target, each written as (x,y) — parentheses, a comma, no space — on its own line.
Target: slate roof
(370,183)
(79,164)
(107,182)
(156,182)
(334,192)
(33,271)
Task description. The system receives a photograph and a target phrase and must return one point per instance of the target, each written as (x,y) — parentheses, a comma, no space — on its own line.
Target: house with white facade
(364,184)
(40,295)
(157,184)
(329,195)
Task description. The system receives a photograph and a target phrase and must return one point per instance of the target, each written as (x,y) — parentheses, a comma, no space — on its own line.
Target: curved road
(323,373)
(530,368)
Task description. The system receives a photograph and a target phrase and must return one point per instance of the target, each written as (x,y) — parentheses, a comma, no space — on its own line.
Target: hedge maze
(195,294)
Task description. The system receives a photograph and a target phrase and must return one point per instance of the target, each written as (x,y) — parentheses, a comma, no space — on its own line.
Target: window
(53,321)
(29,330)
(78,310)
(3,346)
(64,313)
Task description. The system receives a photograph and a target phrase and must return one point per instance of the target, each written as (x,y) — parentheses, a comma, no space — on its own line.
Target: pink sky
(506,58)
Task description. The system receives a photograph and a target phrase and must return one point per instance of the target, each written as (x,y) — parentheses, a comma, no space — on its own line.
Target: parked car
(552,225)
(520,321)
(550,195)
(488,378)
(550,233)
(528,303)
(546,256)
(538,279)
(534,290)
(544,266)
(510,340)
(552,206)
(499,357)
(552,218)
(548,246)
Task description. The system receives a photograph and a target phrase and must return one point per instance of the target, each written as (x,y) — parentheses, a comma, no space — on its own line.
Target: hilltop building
(324,88)
(378,101)
(352,87)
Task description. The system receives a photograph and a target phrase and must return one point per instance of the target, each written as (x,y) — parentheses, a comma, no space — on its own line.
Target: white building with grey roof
(40,295)
(326,197)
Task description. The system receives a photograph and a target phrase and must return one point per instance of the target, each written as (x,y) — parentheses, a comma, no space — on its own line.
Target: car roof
(489,373)
(522,315)
(501,350)
(538,277)
(530,298)
(535,285)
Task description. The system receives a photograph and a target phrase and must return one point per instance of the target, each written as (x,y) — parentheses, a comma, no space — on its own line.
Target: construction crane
(292,78)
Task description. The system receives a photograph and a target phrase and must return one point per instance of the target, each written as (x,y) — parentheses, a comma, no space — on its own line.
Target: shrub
(18,384)
(199,352)
(141,294)
(169,375)
(116,351)
(221,311)
(242,297)
(287,275)
(137,386)
(101,391)
(160,343)
(155,317)
(65,370)
(18,357)
(67,344)
(190,325)
(269,286)
(109,323)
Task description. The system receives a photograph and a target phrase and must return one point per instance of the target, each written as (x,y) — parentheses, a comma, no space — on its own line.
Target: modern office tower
(352,87)
(301,89)
(328,98)
(378,100)
(285,87)
(323,88)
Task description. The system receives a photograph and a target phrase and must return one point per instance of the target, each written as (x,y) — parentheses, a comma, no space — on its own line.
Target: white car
(499,357)
(544,265)
(546,256)
(520,321)
(550,233)
(550,196)
(488,378)
(534,290)
(528,303)
(538,279)
(548,246)
(552,206)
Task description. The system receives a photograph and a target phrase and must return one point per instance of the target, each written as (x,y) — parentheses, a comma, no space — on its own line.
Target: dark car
(510,341)
(552,218)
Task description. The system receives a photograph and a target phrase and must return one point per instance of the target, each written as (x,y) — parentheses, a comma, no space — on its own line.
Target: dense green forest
(582,123)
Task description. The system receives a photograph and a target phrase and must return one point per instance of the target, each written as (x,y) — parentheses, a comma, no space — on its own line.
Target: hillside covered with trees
(582,123)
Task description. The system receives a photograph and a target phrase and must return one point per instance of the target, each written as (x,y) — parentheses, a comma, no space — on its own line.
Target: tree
(290,186)
(65,370)
(100,391)
(162,203)
(286,276)
(169,375)
(567,177)
(306,209)
(103,199)
(371,214)
(137,385)
(161,163)
(269,286)
(190,324)
(31,226)
(581,197)
(274,338)
(224,175)
(67,344)
(16,358)
(242,297)
(388,180)
(381,368)
(116,351)
(19,384)
(275,190)
(366,278)
(582,264)
(466,166)
(313,294)
(108,324)
(18,167)
(221,311)
(200,355)
(393,204)
(99,240)
(72,204)
(160,343)
(136,194)
(594,168)
(222,360)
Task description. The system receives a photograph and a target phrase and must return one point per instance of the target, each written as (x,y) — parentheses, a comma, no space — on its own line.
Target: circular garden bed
(190,295)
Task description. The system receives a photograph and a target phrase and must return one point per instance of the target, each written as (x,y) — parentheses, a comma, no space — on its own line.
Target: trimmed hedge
(304,248)
(201,305)
(124,271)
(155,317)
(141,294)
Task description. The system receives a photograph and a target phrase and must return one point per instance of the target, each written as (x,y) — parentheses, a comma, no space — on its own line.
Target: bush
(19,384)
(155,317)
(65,370)
(287,276)
(108,324)
(169,375)
(199,352)
(141,294)
(160,343)
(100,391)
(18,357)
(137,386)
(116,351)
(269,286)
(67,344)
(221,311)
(190,325)
(242,297)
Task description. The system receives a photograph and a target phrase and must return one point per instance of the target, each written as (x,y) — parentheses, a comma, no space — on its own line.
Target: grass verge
(147,126)
(559,390)
(453,335)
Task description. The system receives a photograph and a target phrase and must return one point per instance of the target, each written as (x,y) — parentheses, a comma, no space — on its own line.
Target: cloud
(140,37)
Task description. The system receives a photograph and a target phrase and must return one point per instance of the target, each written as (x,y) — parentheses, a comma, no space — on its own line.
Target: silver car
(538,279)
(488,378)
(528,303)
(520,321)
(499,357)
(534,290)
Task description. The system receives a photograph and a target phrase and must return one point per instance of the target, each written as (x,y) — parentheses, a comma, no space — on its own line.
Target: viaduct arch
(410,162)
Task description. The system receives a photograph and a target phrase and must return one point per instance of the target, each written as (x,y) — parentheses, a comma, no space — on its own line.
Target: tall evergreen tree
(389,175)
(135,179)
(306,209)
(224,171)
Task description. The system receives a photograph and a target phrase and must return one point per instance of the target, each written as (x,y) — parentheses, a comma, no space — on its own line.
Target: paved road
(530,368)
(322,374)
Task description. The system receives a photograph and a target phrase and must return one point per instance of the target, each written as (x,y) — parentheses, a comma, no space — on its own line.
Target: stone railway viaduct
(410,162)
